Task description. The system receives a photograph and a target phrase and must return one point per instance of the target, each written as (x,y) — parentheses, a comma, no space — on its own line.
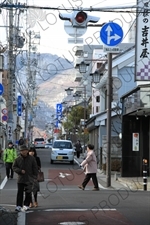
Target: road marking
(3,183)
(72,223)
(63,175)
(70,210)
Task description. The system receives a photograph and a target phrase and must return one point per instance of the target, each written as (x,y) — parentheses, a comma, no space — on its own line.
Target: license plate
(59,157)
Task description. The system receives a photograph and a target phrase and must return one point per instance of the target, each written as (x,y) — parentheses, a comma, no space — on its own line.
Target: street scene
(60,201)
(74,112)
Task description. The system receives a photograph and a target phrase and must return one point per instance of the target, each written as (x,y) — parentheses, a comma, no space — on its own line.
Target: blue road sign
(1,89)
(4,118)
(58,112)
(111,34)
(59,108)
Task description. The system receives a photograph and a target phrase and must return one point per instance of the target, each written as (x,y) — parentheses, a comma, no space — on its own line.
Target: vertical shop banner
(19,106)
(135,142)
(58,113)
(142,48)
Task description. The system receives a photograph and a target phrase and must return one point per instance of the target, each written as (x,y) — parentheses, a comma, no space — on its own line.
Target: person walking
(78,148)
(26,167)
(9,156)
(90,167)
(21,141)
(36,186)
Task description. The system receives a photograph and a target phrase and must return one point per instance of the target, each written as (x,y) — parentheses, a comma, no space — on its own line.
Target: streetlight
(82,67)
(96,76)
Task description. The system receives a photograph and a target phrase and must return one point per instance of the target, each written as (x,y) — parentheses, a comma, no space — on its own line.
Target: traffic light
(79,19)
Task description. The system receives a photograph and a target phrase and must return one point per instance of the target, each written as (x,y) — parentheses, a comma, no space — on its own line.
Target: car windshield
(62,144)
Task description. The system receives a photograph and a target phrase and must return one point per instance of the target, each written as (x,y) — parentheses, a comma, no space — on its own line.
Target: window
(98,98)
(62,144)
(97,109)
(38,139)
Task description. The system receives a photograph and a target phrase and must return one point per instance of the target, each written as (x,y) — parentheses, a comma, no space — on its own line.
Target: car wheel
(52,161)
(72,162)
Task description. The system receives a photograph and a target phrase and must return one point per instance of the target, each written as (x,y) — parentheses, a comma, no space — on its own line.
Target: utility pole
(109,100)
(11,73)
(84,116)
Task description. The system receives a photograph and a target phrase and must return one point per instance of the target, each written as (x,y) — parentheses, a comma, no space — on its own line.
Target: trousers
(20,194)
(9,170)
(87,178)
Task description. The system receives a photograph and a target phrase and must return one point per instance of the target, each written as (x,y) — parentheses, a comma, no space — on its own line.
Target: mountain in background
(53,75)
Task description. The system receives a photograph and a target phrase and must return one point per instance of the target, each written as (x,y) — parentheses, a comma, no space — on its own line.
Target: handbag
(40,177)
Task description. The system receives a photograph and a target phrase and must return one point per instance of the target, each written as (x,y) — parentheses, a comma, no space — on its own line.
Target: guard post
(145,174)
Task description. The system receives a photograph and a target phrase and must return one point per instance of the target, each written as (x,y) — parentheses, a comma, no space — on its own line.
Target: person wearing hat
(9,155)
(26,167)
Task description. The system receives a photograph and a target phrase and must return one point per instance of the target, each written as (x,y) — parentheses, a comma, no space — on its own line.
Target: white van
(62,150)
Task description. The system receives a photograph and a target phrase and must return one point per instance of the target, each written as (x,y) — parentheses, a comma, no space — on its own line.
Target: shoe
(81,187)
(18,209)
(35,204)
(95,189)
(31,205)
(25,208)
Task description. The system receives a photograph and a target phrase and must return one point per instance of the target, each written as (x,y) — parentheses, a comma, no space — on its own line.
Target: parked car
(62,150)
(39,143)
(48,145)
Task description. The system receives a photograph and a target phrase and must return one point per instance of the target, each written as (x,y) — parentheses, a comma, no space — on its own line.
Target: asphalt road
(62,202)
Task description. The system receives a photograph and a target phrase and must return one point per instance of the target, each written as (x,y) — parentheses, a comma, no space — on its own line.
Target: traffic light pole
(109,99)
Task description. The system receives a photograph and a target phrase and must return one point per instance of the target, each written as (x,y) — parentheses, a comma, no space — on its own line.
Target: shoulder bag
(40,177)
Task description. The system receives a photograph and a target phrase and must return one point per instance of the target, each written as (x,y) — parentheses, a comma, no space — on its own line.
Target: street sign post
(111,34)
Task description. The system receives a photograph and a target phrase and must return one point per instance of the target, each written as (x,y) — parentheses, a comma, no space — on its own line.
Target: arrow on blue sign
(111,34)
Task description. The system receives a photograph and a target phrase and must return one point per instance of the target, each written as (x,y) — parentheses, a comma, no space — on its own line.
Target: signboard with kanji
(142,49)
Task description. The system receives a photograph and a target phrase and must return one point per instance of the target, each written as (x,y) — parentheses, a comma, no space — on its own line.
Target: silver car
(62,150)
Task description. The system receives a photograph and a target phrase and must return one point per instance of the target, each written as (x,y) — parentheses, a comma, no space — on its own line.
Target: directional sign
(58,113)
(111,34)
(59,108)
(1,89)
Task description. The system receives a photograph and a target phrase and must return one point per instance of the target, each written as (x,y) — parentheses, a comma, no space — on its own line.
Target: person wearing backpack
(9,156)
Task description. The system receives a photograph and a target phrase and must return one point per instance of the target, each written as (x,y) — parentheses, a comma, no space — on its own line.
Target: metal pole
(109,99)
(84,115)
(10,78)
(145,174)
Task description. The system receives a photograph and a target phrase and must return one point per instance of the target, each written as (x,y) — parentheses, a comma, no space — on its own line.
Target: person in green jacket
(9,156)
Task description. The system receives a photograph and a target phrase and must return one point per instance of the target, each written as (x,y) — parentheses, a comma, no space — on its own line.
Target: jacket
(9,155)
(90,163)
(29,165)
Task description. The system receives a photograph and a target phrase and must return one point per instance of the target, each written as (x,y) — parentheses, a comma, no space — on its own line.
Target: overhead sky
(53,36)
(54,39)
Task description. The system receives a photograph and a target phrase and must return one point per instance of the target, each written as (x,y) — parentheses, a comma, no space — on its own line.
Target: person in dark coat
(26,167)
(21,141)
(36,186)
(78,148)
